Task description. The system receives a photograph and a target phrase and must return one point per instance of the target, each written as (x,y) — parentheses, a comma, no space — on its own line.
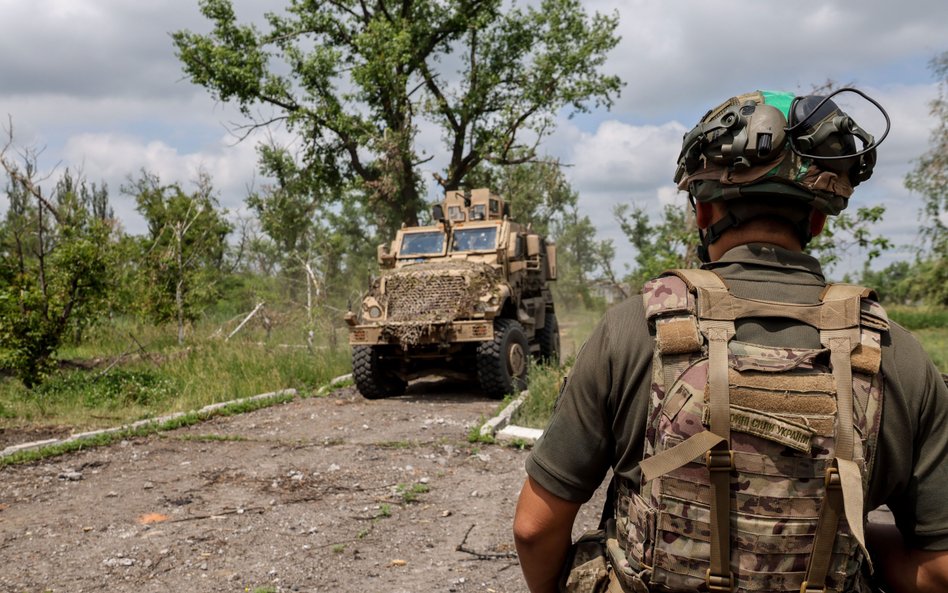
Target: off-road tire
(502,363)
(371,377)
(549,339)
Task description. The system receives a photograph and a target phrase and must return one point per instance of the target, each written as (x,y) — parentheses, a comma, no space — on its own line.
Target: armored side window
(455,213)
(494,207)
(478,212)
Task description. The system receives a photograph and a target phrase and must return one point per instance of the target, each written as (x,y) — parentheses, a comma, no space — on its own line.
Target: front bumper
(439,333)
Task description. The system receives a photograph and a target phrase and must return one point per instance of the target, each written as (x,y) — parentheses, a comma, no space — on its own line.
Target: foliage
(847,231)
(352,80)
(315,238)
(183,252)
(894,284)
(545,384)
(930,175)
(162,378)
(54,265)
(669,243)
(930,179)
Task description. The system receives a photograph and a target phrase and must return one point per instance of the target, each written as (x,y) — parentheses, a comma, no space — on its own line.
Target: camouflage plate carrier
(756,458)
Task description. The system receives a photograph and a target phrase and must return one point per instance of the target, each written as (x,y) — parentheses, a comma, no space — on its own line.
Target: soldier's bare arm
(543,527)
(906,570)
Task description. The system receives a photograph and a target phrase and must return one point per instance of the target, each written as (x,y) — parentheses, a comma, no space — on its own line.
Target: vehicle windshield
(475,239)
(423,243)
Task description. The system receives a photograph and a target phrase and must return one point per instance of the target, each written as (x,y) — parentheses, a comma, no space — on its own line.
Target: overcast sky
(96,85)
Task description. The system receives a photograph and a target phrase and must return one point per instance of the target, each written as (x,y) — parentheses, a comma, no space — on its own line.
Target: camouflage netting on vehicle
(433,293)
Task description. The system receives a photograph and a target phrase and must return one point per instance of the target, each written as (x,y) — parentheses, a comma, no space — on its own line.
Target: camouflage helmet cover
(744,148)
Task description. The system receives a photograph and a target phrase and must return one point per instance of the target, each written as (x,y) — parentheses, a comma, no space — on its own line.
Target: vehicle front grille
(431,297)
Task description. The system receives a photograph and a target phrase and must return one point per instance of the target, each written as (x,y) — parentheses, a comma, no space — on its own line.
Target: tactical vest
(756,458)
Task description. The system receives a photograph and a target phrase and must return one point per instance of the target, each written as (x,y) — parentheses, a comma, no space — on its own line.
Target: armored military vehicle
(466,297)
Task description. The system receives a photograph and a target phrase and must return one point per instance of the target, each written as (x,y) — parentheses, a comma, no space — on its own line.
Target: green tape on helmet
(780,100)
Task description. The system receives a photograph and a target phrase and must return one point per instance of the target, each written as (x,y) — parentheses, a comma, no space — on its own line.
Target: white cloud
(677,56)
(620,157)
(114,158)
(97,84)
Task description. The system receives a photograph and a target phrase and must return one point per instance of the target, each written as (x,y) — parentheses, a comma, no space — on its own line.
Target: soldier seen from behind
(752,415)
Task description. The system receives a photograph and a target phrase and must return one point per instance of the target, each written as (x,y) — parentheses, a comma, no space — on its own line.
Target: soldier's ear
(704,214)
(817,222)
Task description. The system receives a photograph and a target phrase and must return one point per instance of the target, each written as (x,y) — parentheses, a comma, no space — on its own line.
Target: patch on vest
(793,435)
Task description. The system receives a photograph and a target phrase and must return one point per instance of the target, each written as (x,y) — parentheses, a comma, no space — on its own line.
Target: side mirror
(385,257)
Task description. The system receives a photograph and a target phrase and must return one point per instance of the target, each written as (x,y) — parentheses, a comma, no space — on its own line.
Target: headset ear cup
(863,169)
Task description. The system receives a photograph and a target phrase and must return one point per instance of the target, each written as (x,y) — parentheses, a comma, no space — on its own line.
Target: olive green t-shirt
(599,419)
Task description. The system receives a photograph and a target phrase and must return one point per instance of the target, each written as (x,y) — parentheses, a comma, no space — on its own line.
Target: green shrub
(919,318)
(545,381)
(114,389)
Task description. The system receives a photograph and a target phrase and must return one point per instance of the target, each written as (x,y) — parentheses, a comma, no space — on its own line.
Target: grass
(917,318)
(114,380)
(126,373)
(102,439)
(410,493)
(935,343)
(545,381)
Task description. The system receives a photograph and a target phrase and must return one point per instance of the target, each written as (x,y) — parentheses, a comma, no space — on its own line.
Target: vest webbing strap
(711,288)
(719,460)
(667,461)
(844,493)
(831,315)
(699,278)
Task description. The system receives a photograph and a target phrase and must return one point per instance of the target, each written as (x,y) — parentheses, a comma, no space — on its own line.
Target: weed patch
(410,493)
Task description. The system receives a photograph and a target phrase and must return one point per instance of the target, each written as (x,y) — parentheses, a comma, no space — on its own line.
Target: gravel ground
(334,493)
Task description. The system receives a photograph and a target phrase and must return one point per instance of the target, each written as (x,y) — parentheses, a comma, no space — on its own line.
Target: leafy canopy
(354,80)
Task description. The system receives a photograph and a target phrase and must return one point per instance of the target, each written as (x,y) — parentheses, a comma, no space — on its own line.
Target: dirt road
(324,494)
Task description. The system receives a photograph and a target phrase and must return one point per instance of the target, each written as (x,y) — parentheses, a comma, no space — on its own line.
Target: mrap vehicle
(466,297)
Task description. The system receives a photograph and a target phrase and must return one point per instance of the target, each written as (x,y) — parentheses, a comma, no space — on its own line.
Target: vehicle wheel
(502,363)
(549,339)
(371,378)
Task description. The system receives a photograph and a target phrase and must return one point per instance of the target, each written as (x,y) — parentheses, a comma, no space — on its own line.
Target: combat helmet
(769,153)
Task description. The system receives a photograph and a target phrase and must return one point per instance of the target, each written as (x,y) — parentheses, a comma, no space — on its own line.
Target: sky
(96,87)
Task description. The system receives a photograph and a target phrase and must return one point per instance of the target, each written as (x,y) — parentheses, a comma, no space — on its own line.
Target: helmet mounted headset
(778,155)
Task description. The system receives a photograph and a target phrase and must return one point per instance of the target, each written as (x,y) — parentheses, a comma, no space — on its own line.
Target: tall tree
(669,243)
(930,179)
(354,79)
(54,263)
(849,230)
(315,234)
(184,249)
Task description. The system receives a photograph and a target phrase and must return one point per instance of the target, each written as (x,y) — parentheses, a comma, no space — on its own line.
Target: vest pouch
(586,569)
(630,542)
